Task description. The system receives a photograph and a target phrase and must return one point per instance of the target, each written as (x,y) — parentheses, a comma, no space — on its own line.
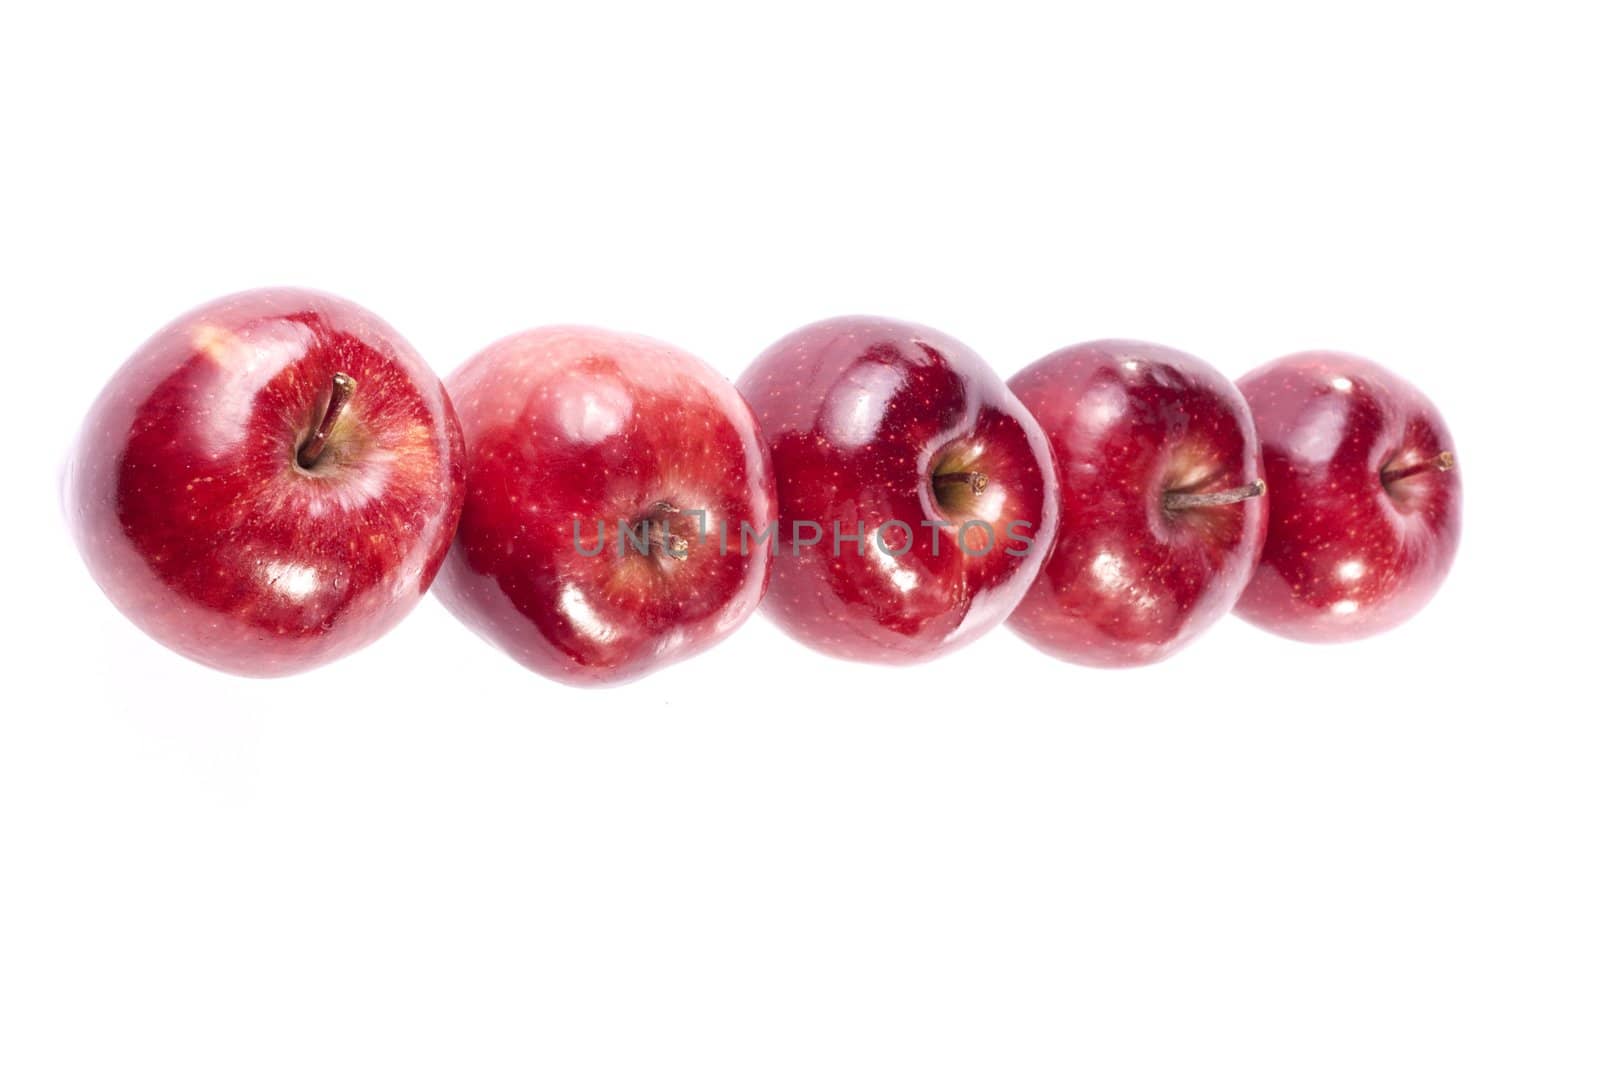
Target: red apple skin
(1348,555)
(862,413)
(570,423)
(1132,580)
(194,514)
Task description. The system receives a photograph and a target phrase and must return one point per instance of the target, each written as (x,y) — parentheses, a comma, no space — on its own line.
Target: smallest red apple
(1366,498)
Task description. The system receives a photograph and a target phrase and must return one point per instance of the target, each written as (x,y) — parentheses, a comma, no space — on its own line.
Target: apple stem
(1175,501)
(1442,462)
(342,389)
(659,535)
(662,540)
(973,480)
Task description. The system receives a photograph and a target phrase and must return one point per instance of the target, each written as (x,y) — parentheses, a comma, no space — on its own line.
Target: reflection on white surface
(1101,408)
(294,580)
(1107,570)
(595,412)
(246,363)
(901,576)
(1318,437)
(856,404)
(576,607)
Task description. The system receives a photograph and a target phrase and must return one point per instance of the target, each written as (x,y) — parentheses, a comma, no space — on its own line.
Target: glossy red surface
(863,414)
(1133,580)
(1348,555)
(574,424)
(196,518)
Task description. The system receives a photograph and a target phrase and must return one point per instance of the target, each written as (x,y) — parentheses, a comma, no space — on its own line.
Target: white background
(1258,853)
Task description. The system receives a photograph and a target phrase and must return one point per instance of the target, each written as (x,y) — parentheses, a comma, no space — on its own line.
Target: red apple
(270,483)
(1366,500)
(608,481)
(1160,522)
(917,497)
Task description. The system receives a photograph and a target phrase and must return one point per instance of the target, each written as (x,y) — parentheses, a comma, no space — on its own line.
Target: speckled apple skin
(570,423)
(1131,582)
(1347,557)
(193,515)
(859,411)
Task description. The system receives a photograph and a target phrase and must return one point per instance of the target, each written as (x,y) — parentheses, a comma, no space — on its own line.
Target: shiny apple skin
(860,411)
(570,423)
(1346,556)
(1130,581)
(194,515)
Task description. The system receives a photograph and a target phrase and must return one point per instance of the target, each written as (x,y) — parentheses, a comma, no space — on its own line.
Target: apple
(609,480)
(1366,498)
(1162,519)
(917,499)
(271,482)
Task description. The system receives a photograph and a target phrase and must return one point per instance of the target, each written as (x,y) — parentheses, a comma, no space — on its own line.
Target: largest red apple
(269,483)
(918,496)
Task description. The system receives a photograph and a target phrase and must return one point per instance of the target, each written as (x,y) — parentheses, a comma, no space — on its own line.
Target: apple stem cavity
(1442,462)
(342,389)
(1176,501)
(657,532)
